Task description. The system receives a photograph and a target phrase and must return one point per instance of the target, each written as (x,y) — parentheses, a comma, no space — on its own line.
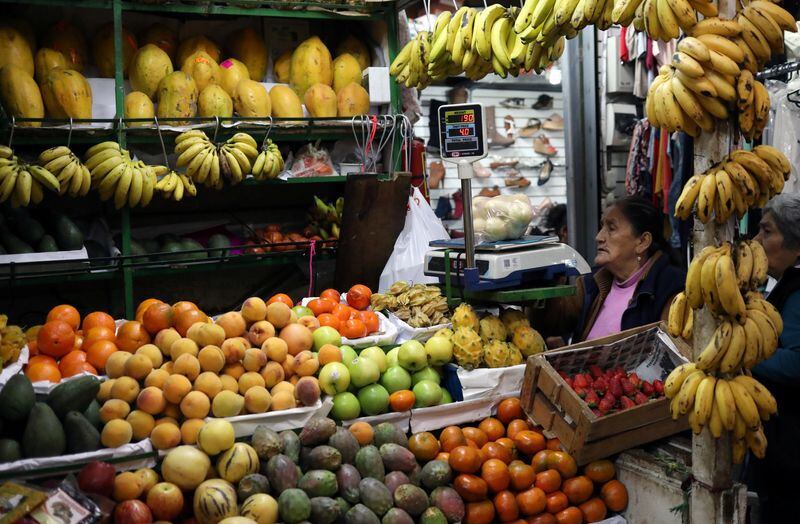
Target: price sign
(462,132)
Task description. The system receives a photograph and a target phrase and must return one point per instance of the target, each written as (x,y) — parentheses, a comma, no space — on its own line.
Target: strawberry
(601,385)
(605,405)
(596,371)
(569,382)
(658,387)
(563,374)
(615,387)
(580,391)
(580,381)
(610,397)
(640,398)
(592,399)
(635,380)
(597,412)
(647,388)
(626,403)
(627,386)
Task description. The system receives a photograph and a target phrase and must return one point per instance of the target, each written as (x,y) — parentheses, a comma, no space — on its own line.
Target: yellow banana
(676,377)
(724,195)
(684,13)
(732,359)
(724,87)
(704,399)
(738,450)
(726,405)
(774,158)
(769,335)
(715,421)
(686,395)
(669,22)
(705,200)
(716,26)
(754,39)
(760,263)
(745,405)
(757,442)
(694,294)
(781,16)
(723,63)
(688,324)
(710,357)
(753,342)
(721,44)
(768,28)
(677,313)
(694,48)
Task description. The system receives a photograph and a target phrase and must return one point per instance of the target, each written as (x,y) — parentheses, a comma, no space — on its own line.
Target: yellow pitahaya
(499,354)
(512,318)
(492,328)
(464,316)
(467,347)
(528,340)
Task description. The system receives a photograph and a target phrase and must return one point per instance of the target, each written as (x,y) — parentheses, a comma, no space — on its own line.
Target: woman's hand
(555,342)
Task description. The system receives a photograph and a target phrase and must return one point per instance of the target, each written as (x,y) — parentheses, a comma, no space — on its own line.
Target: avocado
(44,435)
(188,244)
(9,450)
(67,234)
(92,414)
(30,230)
(13,244)
(73,395)
(17,398)
(82,436)
(218,241)
(47,244)
(173,251)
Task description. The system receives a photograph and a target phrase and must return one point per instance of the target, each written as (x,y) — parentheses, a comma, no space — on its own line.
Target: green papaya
(44,435)
(73,395)
(17,398)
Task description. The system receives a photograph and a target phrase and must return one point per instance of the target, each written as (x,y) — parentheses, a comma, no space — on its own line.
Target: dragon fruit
(499,354)
(513,318)
(464,316)
(528,340)
(467,347)
(492,328)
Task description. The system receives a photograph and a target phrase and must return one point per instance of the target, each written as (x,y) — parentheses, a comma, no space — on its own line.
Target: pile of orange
(352,320)
(507,471)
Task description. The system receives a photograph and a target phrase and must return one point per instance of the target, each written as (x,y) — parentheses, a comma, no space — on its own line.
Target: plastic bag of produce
(407,261)
(504,217)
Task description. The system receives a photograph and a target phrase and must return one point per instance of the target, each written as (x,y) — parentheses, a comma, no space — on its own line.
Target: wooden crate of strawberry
(606,395)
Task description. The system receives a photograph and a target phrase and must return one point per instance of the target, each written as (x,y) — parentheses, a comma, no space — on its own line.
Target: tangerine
(531,501)
(43,371)
(615,495)
(363,432)
(354,329)
(479,512)
(370,319)
(495,450)
(505,503)
(493,428)
(515,426)
(131,336)
(359,296)
(465,459)
(548,480)
(332,295)
(476,435)
(554,444)
(529,442)
(451,437)
(403,400)
(320,305)
(471,487)
(66,313)
(56,338)
(578,489)
(186,319)
(543,518)
(157,317)
(600,471)
(495,473)
(142,307)
(522,475)
(281,297)
(99,333)
(326,319)
(98,353)
(98,319)
(343,312)
(563,463)
(510,409)
(594,510)
(571,515)
(557,501)
(423,445)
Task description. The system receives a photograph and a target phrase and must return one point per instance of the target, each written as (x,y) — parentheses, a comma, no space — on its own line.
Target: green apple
(446,397)
(427,393)
(427,373)
(363,371)
(374,399)
(412,355)
(348,354)
(375,354)
(391,357)
(302,311)
(345,406)
(395,379)
(439,350)
(326,335)
(334,377)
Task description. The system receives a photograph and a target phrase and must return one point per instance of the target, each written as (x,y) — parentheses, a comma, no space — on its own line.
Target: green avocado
(67,234)
(219,242)
(30,230)
(44,436)
(47,244)
(13,244)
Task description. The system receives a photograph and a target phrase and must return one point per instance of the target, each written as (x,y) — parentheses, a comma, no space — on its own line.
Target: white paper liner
(16,367)
(406,332)
(482,383)
(141,456)
(245,425)
(455,413)
(401,420)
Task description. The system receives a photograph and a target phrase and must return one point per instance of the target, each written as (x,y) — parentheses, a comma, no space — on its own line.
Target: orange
(66,313)
(403,400)
(493,428)
(33,347)
(424,446)
(98,319)
(332,295)
(451,437)
(358,296)
(76,369)
(75,356)
(343,312)
(548,481)
(326,319)
(600,471)
(42,358)
(593,510)
(131,336)
(43,371)
(506,506)
(321,305)
(78,344)
(476,435)
(479,512)
(99,333)
(181,306)
(370,319)
(363,432)
(531,501)
(557,501)
(142,307)
(281,297)
(56,338)
(615,495)
(578,489)
(465,459)
(529,442)
(515,426)
(571,515)
(354,329)
(471,488)
(98,353)
(495,473)
(510,409)
(186,319)
(157,317)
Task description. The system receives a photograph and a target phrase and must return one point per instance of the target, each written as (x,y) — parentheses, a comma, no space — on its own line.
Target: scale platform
(526,262)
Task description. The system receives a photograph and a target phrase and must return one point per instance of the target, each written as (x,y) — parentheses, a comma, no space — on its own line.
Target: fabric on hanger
(663,51)
(623,45)
(786,132)
(637,169)
(649,59)
(666,172)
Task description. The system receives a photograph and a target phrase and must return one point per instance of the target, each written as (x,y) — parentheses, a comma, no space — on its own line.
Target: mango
(103,50)
(177,96)
(346,70)
(147,68)
(162,36)
(311,64)
(395,479)
(324,457)
(214,101)
(202,68)
(355,47)
(348,479)
(285,102)
(318,483)
(325,510)
(232,72)
(249,47)
(412,499)
(369,463)
(15,50)
(24,27)
(67,94)
(375,495)
(280,68)
(282,473)
(352,100)
(321,101)
(291,444)
(397,458)
(250,99)
(317,431)
(449,502)
(70,40)
(20,95)
(194,44)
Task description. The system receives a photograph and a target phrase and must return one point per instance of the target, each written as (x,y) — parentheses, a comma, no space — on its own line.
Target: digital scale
(528,262)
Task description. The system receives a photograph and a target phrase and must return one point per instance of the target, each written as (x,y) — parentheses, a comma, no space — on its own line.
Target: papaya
(320,101)
(147,68)
(15,50)
(73,395)
(202,68)
(103,50)
(65,37)
(194,44)
(67,94)
(280,69)
(251,99)
(356,48)
(47,59)
(162,36)
(346,70)
(214,101)
(248,46)
(82,436)
(311,64)
(17,398)
(43,435)
(138,105)
(20,95)
(177,96)
(231,72)
(285,103)
(352,100)
(24,27)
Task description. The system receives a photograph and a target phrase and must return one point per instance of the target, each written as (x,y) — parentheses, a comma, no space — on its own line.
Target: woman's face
(769,236)
(618,245)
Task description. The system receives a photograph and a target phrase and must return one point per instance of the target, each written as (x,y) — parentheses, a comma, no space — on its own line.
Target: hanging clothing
(623,45)
(786,134)
(637,170)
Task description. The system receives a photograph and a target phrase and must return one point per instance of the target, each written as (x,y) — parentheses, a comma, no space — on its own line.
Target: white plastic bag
(504,217)
(407,261)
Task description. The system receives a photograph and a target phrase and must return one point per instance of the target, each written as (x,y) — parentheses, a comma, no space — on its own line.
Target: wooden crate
(549,401)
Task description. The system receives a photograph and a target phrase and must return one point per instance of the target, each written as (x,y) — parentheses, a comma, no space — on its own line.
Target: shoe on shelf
(496,140)
(516,181)
(459,203)
(480,171)
(543,102)
(541,145)
(513,103)
(504,164)
(531,127)
(544,172)
(436,172)
(510,126)
(443,208)
(554,122)
(458,95)
(489,192)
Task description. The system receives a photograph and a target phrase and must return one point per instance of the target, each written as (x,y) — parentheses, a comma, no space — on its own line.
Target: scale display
(462,131)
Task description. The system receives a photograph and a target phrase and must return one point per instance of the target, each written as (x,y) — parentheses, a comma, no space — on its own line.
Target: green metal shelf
(333,179)
(513,296)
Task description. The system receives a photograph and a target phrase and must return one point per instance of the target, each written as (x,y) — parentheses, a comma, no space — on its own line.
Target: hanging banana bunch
(207,163)
(116,175)
(72,175)
(22,183)
(174,186)
(269,162)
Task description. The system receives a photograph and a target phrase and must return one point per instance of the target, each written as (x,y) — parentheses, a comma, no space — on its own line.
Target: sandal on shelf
(509,126)
(541,145)
(443,208)
(480,171)
(544,172)
(531,127)
(489,192)
(543,102)
(517,181)
(513,103)
(554,122)
(436,172)
(498,164)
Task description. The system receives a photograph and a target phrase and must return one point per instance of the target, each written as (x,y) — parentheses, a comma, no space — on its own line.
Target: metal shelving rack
(127,266)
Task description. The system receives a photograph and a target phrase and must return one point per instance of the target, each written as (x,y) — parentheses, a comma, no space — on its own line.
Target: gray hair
(785,210)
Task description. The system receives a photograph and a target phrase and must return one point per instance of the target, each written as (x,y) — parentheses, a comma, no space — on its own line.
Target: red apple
(165,500)
(97,477)
(132,512)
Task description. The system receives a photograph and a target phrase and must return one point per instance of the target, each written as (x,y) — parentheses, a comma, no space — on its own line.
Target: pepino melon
(285,103)
(320,101)
(15,50)
(20,95)
(65,37)
(67,94)
(280,69)
(177,96)
(311,64)
(202,68)
(353,100)
(194,44)
(356,48)
(236,463)
(47,59)
(214,501)
(345,71)
(231,72)
(138,105)
(186,467)
(214,101)
(261,507)
(148,67)
(251,99)
(103,50)
(162,36)
(249,47)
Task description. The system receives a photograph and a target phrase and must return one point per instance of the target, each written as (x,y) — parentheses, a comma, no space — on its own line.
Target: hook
(69,136)
(216,129)
(161,139)
(427,4)
(11,133)
(269,129)
(455,5)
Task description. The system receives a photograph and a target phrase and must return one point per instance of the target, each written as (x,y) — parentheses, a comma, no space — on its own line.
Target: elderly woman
(779,233)
(633,284)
